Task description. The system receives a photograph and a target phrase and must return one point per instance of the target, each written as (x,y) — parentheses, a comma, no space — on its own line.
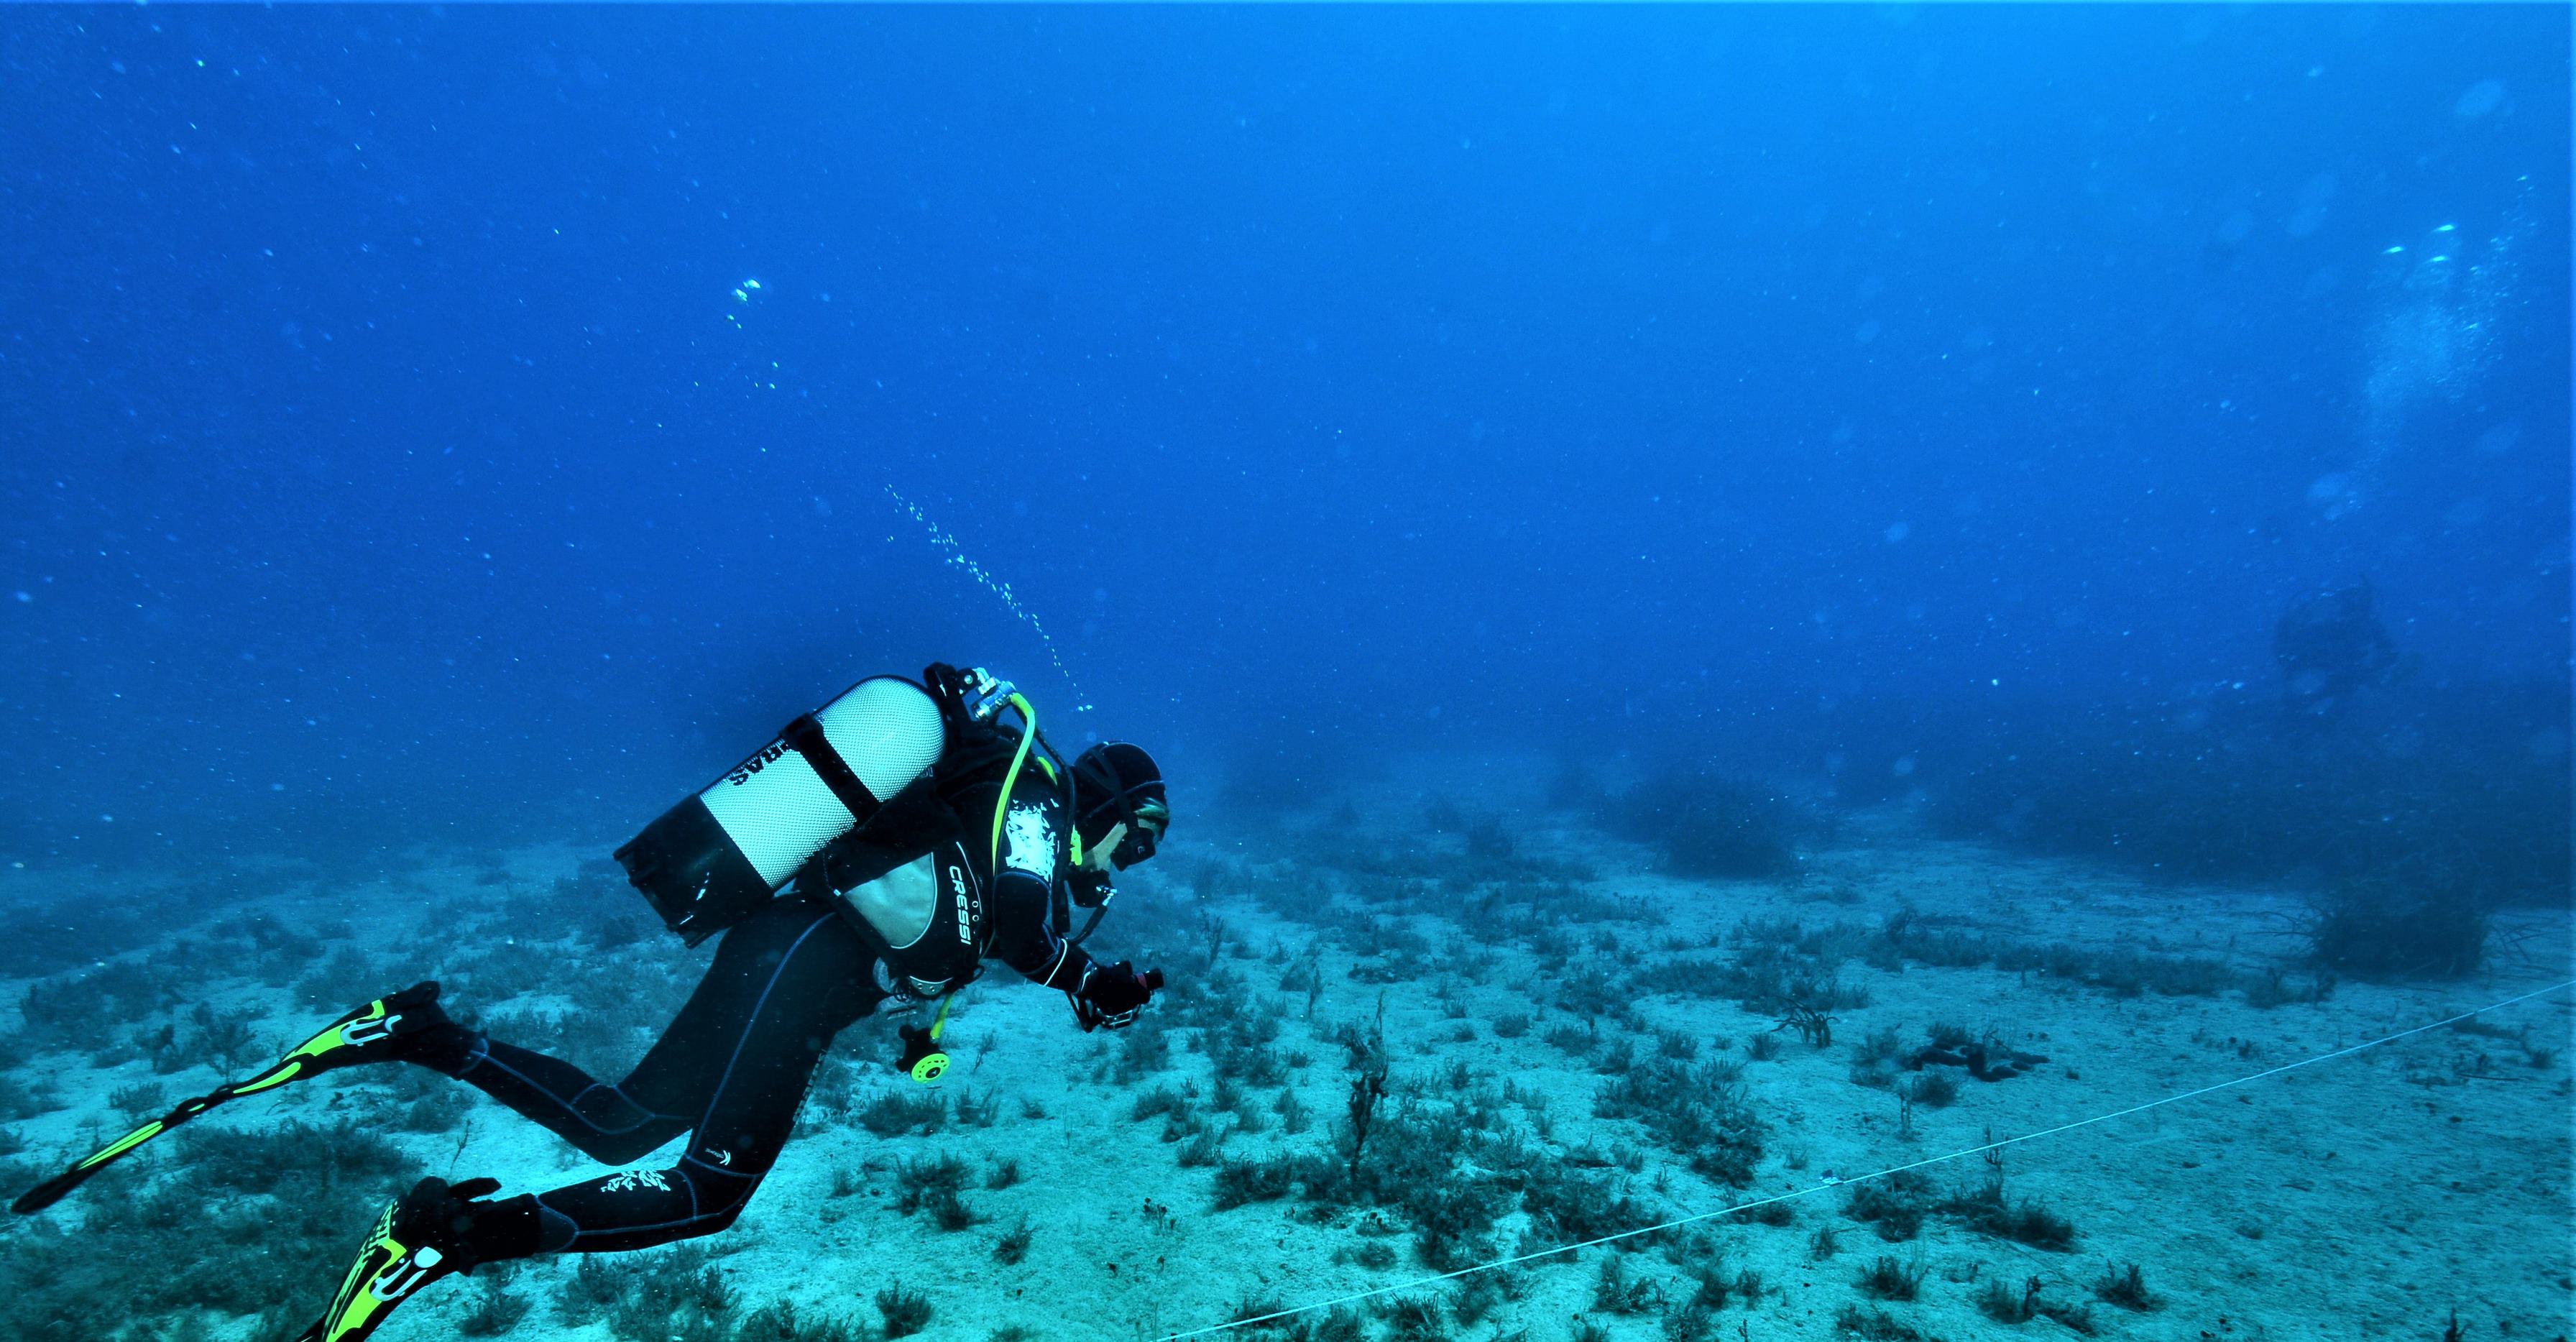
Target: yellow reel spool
(931,1063)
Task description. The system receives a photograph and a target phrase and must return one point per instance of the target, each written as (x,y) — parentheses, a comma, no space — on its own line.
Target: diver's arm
(1023,938)
(1102,994)
(1024,934)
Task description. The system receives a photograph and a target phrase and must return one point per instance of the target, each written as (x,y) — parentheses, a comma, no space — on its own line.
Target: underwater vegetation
(1447,1154)
(253,1212)
(1348,1047)
(1897,1206)
(1444,1155)
(261,1218)
(2126,1287)
(905,1312)
(1907,936)
(497,1308)
(934,1185)
(679,1294)
(2420,820)
(1254,1087)
(1699,1110)
(89,930)
(1887,1279)
(1873,1325)
(2420,915)
(1704,823)
(2008,1304)
(1013,1245)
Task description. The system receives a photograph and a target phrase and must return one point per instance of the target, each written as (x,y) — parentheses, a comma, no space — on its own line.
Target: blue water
(1630,530)
(474,425)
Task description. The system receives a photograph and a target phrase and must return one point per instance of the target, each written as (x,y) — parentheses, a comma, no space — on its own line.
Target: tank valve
(986,694)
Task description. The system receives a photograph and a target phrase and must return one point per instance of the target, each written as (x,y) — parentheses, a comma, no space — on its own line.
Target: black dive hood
(1111,782)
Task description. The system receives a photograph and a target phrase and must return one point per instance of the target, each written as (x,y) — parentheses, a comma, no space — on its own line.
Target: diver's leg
(602,1121)
(783,984)
(614,1123)
(806,977)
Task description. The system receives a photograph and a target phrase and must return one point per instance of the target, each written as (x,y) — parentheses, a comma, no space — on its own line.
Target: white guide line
(1979,1149)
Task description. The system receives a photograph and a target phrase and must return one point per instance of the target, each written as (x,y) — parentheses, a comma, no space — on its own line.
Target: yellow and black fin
(385,1272)
(363,1035)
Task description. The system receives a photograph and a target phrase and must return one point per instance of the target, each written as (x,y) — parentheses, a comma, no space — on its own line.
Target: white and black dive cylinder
(720,855)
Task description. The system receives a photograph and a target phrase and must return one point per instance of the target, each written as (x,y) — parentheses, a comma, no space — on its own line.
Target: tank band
(805,737)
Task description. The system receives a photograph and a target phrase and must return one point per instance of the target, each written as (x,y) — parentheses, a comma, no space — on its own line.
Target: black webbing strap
(805,737)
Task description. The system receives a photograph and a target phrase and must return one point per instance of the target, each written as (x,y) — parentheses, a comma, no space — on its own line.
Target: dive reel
(922,1059)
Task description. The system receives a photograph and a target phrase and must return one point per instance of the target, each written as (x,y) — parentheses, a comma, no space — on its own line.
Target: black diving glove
(1111,995)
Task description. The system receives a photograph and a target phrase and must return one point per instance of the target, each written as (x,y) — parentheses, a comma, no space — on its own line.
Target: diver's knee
(714,1224)
(620,1148)
(621,1131)
(721,1194)
(607,1109)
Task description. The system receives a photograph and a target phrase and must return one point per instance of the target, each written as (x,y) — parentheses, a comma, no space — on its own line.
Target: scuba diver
(947,849)
(2329,645)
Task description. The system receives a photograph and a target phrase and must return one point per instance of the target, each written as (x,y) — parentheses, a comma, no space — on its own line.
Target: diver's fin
(384,1273)
(51,1191)
(364,1035)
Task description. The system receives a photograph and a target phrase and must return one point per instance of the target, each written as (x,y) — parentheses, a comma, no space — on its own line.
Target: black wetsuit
(733,1067)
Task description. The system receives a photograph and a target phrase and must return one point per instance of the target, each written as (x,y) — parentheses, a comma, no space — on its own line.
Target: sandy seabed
(2371,1195)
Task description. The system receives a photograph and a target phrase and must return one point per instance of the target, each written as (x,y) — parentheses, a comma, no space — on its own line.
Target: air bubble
(954,553)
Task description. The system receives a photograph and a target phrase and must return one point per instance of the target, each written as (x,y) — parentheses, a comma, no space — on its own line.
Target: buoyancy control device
(724,851)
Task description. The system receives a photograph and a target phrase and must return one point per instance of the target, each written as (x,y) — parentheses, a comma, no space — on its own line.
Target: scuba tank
(719,855)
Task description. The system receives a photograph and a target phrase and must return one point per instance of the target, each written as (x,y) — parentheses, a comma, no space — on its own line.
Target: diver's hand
(1111,995)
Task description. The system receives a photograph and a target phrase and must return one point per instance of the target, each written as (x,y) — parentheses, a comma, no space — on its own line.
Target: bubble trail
(952,552)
